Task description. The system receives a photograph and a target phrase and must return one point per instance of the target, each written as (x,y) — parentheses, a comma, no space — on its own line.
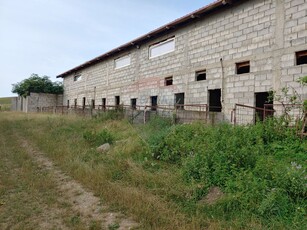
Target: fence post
(235,115)
(264,112)
(145,115)
(207,113)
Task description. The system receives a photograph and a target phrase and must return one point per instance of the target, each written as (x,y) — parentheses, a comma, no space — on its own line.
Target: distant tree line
(37,84)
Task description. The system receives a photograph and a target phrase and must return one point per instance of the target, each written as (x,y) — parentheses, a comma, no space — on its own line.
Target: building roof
(153,34)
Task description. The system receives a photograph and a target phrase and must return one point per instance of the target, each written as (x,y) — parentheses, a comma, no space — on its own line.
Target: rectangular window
(215,100)
(104,103)
(93,104)
(179,100)
(168,81)
(75,103)
(67,103)
(301,57)
(122,62)
(200,75)
(162,48)
(78,77)
(154,103)
(133,103)
(243,67)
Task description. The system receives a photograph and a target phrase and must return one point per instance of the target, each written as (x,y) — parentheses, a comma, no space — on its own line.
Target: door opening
(215,104)
(262,99)
(117,101)
(179,101)
(154,103)
(83,102)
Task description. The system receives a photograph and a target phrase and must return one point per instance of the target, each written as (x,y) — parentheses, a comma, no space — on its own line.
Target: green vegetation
(28,193)
(161,174)
(97,138)
(261,168)
(5,103)
(37,84)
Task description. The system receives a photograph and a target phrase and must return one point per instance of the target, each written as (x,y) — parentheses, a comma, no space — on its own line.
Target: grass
(149,172)
(5,103)
(28,194)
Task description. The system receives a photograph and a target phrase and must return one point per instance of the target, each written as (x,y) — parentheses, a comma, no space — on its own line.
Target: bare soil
(84,203)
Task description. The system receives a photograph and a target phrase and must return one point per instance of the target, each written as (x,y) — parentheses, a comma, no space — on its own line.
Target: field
(5,103)
(155,176)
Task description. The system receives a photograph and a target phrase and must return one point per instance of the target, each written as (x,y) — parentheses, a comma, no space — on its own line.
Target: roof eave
(138,41)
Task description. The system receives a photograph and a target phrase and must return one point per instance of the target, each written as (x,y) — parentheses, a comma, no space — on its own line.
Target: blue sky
(48,37)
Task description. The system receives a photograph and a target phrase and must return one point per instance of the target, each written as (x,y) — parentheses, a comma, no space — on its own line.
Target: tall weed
(261,168)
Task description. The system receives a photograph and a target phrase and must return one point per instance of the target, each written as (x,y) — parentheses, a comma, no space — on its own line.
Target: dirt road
(36,194)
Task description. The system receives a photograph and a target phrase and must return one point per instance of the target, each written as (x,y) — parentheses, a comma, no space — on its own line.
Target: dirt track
(83,202)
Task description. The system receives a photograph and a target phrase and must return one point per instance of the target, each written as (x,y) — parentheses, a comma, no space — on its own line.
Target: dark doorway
(104,103)
(179,100)
(215,100)
(83,102)
(154,102)
(117,101)
(75,103)
(262,99)
(67,103)
(93,104)
(133,103)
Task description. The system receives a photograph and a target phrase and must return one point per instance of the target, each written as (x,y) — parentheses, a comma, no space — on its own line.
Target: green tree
(37,84)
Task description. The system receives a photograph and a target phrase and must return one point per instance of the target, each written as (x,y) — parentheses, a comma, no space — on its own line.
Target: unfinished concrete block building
(229,52)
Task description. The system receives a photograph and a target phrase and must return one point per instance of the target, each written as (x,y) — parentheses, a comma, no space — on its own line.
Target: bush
(158,128)
(251,164)
(98,138)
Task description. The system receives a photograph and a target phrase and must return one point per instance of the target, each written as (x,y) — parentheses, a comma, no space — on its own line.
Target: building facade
(226,53)
(35,102)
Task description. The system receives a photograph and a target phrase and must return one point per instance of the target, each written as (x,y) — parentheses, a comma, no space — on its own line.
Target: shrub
(158,128)
(98,138)
(251,164)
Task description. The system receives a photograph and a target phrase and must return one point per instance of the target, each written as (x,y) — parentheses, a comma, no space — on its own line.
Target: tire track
(81,201)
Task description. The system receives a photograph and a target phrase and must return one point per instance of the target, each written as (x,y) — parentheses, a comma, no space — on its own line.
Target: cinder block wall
(38,100)
(35,101)
(265,32)
(14,103)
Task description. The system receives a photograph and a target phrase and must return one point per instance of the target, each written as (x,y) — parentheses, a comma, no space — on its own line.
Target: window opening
(301,57)
(122,62)
(162,48)
(168,81)
(243,67)
(77,77)
(201,75)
